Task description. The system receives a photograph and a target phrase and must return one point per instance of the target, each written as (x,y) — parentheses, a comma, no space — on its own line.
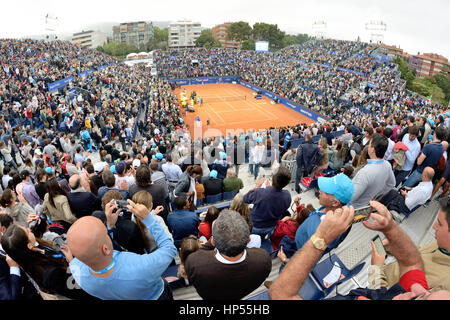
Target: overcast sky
(414,25)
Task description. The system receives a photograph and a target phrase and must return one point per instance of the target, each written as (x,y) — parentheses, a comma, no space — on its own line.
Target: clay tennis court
(235,113)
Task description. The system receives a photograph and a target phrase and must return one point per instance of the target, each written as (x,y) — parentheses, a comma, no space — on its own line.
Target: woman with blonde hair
(189,245)
(240,206)
(145,198)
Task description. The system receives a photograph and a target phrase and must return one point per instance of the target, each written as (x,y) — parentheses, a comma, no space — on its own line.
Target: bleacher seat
(261,296)
(229,195)
(322,269)
(214,199)
(220,206)
(309,291)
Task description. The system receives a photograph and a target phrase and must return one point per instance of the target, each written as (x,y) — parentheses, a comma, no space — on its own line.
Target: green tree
(207,40)
(443,82)
(269,32)
(119,50)
(239,31)
(160,40)
(302,38)
(248,45)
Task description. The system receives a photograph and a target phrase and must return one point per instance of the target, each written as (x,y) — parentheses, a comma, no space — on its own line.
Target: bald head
(75,181)
(88,240)
(427,174)
(445,145)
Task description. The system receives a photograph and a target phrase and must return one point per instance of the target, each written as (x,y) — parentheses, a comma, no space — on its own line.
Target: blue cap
(430,137)
(49,170)
(213,174)
(339,186)
(259,140)
(159,156)
(223,155)
(447,114)
(431,122)
(113,169)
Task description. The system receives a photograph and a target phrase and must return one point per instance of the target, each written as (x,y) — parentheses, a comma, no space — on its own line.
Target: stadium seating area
(117,133)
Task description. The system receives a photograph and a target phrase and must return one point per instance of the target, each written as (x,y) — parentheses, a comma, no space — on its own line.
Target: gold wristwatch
(318,243)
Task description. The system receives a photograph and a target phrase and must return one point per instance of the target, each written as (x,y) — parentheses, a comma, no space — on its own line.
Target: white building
(184,33)
(89,39)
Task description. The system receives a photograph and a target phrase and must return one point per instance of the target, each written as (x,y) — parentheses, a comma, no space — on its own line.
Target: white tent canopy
(131,55)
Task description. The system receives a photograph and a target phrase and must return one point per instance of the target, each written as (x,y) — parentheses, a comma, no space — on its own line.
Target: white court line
(272,116)
(226,111)
(210,108)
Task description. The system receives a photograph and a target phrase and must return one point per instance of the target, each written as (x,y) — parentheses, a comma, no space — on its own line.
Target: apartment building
(219,33)
(89,39)
(428,64)
(133,33)
(184,33)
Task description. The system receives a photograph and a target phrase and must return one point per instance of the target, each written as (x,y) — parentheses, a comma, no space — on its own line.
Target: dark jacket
(159,196)
(221,169)
(308,155)
(212,186)
(83,203)
(9,283)
(183,185)
(269,206)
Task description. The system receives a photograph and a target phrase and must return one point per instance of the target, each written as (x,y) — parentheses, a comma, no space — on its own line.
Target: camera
(58,242)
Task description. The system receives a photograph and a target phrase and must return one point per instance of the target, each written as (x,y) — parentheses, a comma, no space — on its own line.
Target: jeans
(263,232)
(400,176)
(298,178)
(413,179)
(254,169)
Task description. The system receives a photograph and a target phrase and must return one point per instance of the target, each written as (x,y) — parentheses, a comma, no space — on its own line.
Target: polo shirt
(433,152)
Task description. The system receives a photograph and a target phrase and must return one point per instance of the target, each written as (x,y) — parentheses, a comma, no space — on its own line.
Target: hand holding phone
(362,214)
(378,251)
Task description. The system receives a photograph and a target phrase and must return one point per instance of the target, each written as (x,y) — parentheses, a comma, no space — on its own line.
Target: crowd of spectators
(101,181)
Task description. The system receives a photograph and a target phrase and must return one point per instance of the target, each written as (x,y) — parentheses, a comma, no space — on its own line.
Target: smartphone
(362,214)
(379,245)
(122,204)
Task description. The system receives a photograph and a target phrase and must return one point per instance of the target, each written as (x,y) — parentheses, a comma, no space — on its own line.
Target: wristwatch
(318,243)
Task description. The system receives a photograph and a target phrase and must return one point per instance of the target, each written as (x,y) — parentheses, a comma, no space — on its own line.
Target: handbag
(192,207)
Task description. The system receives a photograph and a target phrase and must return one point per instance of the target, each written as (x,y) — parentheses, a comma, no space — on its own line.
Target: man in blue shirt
(182,222)
(334,193)
(113,275)
(270,203)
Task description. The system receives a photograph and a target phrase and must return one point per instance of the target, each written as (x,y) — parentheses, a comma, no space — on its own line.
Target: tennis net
(224,99)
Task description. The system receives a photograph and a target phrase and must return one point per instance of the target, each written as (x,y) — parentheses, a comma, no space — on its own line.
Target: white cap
(136,163)
(99,166)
